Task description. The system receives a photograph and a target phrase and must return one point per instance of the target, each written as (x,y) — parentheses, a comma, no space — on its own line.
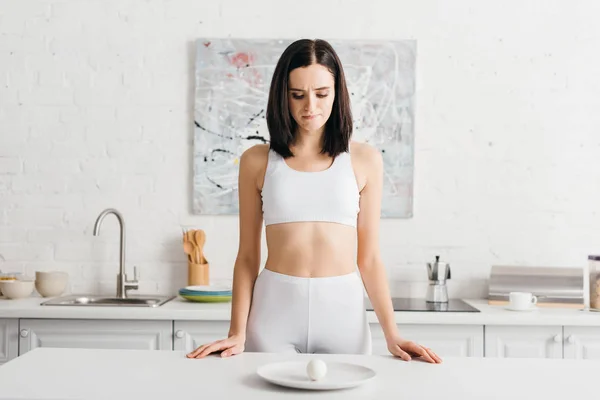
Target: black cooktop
(410,304)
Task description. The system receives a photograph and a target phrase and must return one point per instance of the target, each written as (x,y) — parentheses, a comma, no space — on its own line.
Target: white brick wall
(95,112)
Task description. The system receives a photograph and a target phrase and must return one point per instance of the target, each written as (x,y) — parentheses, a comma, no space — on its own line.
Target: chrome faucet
(123,285)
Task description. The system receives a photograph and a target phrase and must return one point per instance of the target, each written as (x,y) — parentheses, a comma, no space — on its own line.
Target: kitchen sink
(108,301)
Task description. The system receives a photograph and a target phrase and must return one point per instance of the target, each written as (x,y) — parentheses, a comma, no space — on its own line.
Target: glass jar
(594,268)
(7,276)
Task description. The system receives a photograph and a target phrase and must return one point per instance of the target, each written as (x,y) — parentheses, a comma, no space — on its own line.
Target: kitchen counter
(47,373)
(176,309)
(180,309)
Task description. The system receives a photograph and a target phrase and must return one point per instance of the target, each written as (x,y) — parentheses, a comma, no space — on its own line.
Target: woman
(320,197)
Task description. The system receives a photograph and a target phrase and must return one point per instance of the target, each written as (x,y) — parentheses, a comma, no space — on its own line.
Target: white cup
(522,300)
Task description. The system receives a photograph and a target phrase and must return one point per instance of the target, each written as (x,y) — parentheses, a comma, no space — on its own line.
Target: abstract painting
(232,78)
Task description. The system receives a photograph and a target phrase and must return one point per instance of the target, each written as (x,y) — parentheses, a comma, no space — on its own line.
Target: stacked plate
(206,293)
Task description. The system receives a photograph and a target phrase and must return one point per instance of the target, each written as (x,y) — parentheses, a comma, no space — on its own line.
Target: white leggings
(308,315)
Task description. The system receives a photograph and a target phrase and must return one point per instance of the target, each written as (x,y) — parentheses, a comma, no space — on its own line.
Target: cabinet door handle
(179,334)
(558,338)
(571,339)
(24,333)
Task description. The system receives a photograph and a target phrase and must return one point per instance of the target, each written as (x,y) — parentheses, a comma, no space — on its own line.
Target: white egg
(316,369)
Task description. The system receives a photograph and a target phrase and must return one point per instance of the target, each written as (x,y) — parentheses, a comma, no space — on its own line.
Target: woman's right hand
(231,346)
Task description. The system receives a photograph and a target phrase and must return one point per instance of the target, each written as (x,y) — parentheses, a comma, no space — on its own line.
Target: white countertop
(180,309)
(176,309)
(48,373)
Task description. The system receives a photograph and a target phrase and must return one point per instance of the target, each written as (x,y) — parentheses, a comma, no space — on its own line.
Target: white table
(48,373)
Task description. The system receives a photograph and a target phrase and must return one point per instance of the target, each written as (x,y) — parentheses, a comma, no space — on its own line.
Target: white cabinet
(95,334)
(9,339)
(189,335)
(582,342)
(444,340)
(524,341)
(571,342)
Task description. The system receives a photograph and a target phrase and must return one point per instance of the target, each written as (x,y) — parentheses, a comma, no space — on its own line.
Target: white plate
(209,288)
(340,375)
(532,308)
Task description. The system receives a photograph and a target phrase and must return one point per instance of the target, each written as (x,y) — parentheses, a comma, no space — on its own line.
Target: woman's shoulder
(364,152)
(255,157)
(258,150)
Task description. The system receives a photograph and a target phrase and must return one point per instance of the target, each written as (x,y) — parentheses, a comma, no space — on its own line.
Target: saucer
(340,375)
(532,308)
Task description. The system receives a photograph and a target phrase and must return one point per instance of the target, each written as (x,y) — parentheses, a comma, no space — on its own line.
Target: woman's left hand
(406,349)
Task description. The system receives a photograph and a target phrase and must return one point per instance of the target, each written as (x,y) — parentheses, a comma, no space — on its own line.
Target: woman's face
(310,96)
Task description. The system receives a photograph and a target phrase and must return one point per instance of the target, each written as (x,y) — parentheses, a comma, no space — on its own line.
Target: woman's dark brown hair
(281,124)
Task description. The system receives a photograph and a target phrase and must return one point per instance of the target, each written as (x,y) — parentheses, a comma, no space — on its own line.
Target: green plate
(207,299)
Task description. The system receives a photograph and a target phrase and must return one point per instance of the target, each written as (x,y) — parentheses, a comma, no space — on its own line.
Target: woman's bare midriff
(311,249)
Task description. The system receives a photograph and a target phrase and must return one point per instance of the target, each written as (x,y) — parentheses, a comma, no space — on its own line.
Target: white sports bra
(330,195)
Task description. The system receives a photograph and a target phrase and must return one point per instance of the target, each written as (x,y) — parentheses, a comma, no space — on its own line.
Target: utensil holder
(198,274)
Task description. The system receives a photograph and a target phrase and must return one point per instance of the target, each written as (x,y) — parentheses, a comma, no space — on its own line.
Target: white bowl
(51,285)
(42,275)
(16,289)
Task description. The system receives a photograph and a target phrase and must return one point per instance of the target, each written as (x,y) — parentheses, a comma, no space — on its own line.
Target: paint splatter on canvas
(232,85)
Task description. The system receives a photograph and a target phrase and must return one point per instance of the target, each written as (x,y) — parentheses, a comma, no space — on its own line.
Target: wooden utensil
(200,239)
(189,249)
(189,235)
(188,246)
(189,238)
(197,253)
